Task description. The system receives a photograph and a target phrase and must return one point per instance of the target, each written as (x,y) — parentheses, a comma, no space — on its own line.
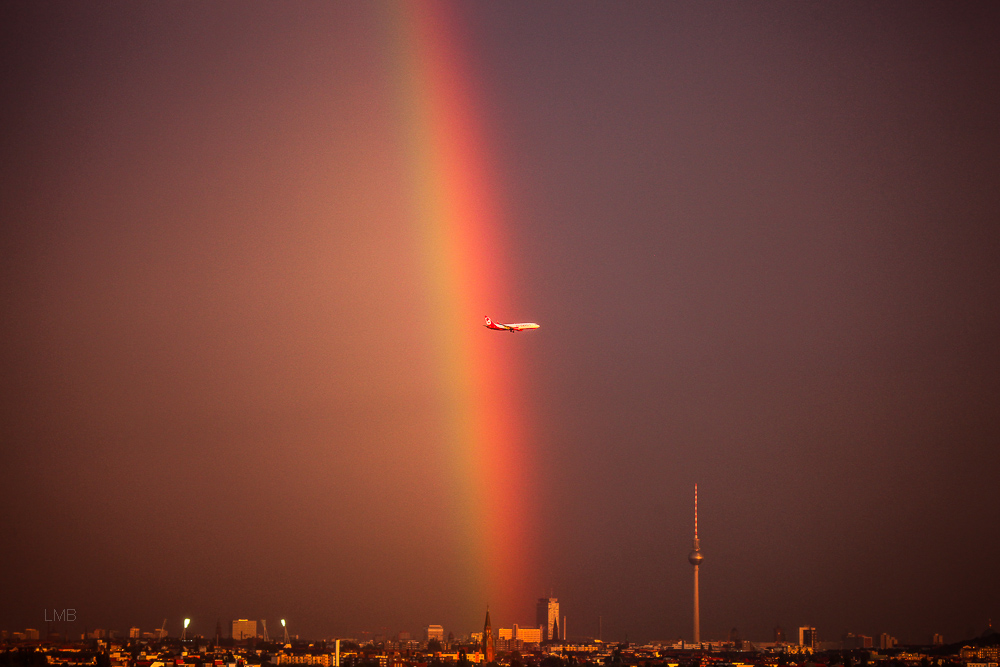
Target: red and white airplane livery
(521,326)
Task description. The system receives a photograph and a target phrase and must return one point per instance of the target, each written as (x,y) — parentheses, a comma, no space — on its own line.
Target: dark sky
(761,240)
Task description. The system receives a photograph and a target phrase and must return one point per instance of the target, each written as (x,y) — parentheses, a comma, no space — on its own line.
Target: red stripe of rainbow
(456,207)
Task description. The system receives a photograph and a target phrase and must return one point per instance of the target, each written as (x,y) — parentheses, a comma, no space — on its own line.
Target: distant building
(808,637)
(547,618)
(435,632)
(983,653)
(852,641)
(937,639)
(885,640)
(779,635)
(244,629)
(134,633)
(30,634)
(528,635)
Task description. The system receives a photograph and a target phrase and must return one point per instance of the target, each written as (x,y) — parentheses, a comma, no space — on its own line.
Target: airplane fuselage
(518,326)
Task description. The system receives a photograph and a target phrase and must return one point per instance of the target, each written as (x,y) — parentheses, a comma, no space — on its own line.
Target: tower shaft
(697,618)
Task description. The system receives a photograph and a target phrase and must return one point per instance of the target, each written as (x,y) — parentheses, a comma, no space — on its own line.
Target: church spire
(489,650)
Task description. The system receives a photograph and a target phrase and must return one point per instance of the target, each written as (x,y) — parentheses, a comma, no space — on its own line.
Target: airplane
(521,326)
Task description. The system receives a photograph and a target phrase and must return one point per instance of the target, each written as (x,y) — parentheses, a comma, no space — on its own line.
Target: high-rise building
(134,633)
(808,637)
(695,559)
(244,629)
(435,632)
(779,635)
(547,617)
(489,650)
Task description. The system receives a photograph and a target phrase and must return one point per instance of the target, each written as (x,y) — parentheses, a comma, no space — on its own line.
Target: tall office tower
(134,633)
(244,629)
(547,618)
(488,644)
(779,635)
(695,559)
(435,632)
(807,636)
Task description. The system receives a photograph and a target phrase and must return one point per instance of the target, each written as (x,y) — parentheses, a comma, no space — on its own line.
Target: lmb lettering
(64,615)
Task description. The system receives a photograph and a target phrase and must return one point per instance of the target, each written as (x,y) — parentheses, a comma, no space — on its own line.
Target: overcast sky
(761,240)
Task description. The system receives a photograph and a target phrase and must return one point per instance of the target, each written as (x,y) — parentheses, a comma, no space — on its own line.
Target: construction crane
(163,630)
(263,622)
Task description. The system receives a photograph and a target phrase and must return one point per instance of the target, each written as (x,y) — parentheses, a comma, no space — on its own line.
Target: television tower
(695,559)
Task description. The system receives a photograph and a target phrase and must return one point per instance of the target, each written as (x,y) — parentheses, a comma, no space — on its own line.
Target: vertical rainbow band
(456,209)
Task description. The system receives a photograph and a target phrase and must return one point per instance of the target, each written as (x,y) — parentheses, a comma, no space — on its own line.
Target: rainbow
(458,219)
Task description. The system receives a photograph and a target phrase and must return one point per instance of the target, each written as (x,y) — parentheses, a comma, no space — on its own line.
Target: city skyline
(249,631)
(247,251)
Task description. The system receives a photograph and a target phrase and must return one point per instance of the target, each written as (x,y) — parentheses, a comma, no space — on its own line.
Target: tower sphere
(695,557)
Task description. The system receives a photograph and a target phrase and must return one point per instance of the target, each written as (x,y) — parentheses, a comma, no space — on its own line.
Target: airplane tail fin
(489,322)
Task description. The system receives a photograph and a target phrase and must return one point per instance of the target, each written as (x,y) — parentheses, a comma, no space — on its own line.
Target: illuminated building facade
(244,629)
(528,635)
